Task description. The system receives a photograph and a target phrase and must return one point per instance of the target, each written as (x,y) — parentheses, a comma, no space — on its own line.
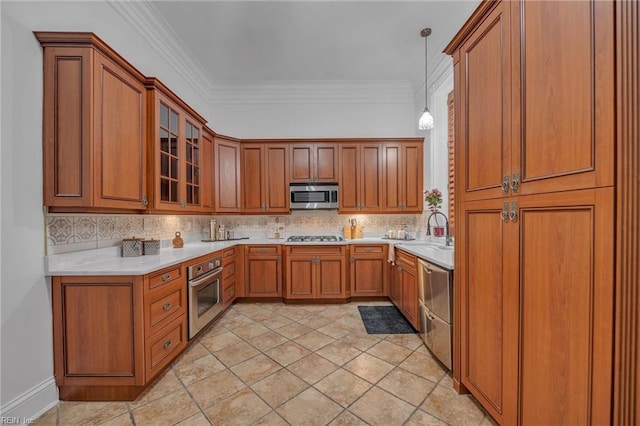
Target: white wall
(313,109)
(26,383)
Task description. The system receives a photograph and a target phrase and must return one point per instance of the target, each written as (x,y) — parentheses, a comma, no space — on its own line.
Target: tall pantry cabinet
(534,161)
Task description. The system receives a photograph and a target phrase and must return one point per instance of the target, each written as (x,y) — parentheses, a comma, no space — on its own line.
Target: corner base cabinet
(114,334)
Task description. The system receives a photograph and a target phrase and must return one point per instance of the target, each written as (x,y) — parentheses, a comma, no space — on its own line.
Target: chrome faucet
(447,237)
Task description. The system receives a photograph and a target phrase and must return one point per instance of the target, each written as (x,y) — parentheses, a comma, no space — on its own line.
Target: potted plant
(434,202)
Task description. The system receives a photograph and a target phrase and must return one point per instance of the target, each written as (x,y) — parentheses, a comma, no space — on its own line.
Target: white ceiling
(244,41)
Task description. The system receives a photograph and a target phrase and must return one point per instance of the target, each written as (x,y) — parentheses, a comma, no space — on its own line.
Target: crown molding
(155,30)
(305,92)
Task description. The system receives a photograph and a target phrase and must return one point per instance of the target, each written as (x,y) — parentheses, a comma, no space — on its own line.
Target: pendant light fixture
(426,120)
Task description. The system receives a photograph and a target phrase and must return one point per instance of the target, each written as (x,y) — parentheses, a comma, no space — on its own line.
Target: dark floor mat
(384,320)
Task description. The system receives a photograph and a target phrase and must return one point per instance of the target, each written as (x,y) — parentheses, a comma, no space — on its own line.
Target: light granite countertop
(107,261)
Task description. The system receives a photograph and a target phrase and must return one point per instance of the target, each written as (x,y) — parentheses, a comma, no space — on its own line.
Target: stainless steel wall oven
(203,286)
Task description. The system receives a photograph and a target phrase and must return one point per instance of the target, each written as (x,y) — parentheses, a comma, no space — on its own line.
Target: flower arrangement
(433,199)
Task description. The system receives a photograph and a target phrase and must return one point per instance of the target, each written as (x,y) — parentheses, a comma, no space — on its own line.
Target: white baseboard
(33,403)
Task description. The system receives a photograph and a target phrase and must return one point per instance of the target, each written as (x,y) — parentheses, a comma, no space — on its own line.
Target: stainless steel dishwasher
(436,310)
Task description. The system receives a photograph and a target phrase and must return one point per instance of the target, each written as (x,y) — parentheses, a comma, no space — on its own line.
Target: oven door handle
(209,277)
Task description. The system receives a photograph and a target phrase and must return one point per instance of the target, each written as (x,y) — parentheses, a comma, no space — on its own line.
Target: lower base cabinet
(263,271)
(403,288)
(369,270)
(114,334)
(316,272)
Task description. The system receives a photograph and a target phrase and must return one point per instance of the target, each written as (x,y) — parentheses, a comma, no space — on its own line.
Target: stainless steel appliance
(314,239)
(203,286)
(436,310)
(313,196)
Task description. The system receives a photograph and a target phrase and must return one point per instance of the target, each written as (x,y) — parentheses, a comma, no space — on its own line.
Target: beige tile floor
(276,364)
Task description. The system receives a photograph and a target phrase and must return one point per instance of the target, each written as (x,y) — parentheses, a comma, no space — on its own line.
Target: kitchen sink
(426,244)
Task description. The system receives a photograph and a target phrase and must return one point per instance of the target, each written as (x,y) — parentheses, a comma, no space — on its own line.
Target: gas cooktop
(314,239)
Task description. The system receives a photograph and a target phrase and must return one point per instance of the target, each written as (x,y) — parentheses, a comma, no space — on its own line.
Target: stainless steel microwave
(313,196)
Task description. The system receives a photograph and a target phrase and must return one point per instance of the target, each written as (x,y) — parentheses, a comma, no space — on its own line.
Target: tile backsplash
(75,232)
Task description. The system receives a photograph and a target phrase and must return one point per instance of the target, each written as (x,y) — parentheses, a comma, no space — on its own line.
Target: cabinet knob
(145,201)
(166,306)
(166,277)
(167,344)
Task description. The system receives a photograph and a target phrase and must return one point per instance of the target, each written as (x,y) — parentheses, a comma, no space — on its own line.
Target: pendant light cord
(426,33)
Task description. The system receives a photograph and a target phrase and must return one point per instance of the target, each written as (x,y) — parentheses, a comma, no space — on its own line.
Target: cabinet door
(263,272)
(485,84)
(168,154)
(409,296)
(566,302)
(563,95)
(349,178)
(395,287)
(489,307)
(276,178)
(192,199)
(253,185)
(120,137)
(330,281)
(95,344)
(206,175)
(325,162)
(300,277)
(371,177)
(368,274)
(302,163)
(392,178)
(227,175)
(412,173)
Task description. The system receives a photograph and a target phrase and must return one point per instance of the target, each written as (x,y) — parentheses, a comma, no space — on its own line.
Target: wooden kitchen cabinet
(227,175)
(263,271)
(315,272)
(535,211)
(265,178)
(407,275)
(229,275)
(314,162)
(403,172)
(176,160)
(369,270)
(361,174)
(94,126)
(206,172)
(395,285)
(114,334)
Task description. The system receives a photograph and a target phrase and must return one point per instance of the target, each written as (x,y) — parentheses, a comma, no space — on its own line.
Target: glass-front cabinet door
(169,154)
(178,162)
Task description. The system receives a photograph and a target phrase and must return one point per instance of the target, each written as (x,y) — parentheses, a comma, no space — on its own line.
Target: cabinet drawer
(164,347)
(262,249)
(228,255)
(165,276)
(362,249)
(158,310)
(405,260)
(228,271)
(315,249)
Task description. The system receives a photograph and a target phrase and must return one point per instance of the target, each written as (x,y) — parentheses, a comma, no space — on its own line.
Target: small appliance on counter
(275,229)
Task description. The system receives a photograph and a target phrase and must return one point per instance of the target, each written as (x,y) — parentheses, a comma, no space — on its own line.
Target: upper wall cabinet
(94,134)
(265,178)
(537,98)
(176,162)
(314,162)
(360,177)
(403,177)
(227,175)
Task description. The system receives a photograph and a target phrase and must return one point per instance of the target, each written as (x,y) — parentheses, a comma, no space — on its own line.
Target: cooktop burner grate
(313,238)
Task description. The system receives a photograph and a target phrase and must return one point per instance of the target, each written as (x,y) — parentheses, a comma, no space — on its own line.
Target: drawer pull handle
(167,344)
(368,250)
(263,249)
(166,306)
(166,277)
